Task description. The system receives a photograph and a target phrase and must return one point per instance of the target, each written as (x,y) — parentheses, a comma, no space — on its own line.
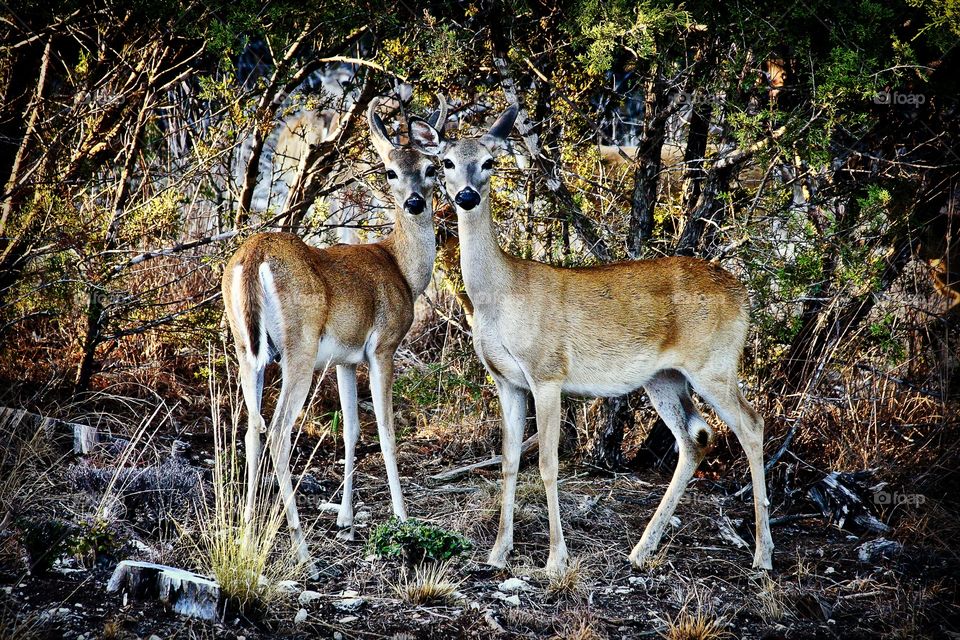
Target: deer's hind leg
(297,377)
(347,386)
(669,393)
(722,393)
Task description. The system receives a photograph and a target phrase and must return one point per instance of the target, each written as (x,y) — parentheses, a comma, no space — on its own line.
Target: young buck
(665,325)
(310,308)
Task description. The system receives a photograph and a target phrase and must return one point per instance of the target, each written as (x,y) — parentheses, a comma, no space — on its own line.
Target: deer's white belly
(331,352)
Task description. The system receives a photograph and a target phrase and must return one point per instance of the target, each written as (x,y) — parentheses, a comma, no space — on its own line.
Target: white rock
(350,593)
(288,586)
(154,637)
(348,619)
(301,617)
(348,604)
(362,516)
(511,600)
(622,590)
(337,635)
(512,585)
(675,522)
(307,597)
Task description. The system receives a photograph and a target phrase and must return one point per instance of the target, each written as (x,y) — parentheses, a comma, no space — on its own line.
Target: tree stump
(187,593)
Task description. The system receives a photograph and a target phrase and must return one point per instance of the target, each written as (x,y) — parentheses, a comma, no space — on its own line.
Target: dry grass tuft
(431,583)
(771,599)
(25,459)
(569,582)
(696,620)
(581,630)
(113,629)
(247,559)
(695,626)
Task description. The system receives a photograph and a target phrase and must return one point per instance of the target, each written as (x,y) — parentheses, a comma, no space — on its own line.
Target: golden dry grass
(569,582)
(247,558)
(432,583)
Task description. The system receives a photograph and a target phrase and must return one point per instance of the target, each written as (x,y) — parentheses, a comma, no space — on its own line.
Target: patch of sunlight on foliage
(609,26)
(427,387)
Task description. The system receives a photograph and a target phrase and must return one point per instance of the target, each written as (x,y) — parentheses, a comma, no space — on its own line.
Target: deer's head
(468,163)
(410,171)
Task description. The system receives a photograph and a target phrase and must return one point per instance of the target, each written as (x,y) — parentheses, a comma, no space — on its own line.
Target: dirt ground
(819,588)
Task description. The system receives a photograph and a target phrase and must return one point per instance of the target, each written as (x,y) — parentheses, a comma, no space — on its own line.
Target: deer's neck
(484,264)
(414,247)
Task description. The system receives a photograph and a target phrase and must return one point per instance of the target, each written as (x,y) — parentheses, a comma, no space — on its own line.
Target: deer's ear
(378,133)
(496,138)
(426,138)
(438,119)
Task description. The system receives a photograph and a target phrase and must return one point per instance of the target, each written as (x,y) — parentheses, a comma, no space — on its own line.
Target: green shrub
(45,541)
(96,539)
(415,540)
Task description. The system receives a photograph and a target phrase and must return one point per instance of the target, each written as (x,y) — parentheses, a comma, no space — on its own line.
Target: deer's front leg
(547,400)
(347,386)
(381,386)
(513,403)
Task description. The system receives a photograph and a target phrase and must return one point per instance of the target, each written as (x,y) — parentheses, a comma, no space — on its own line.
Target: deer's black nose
(467,199)
(415,204)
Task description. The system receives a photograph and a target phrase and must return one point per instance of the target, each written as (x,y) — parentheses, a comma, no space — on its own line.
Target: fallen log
(844,500)
(83,437)
(530,444)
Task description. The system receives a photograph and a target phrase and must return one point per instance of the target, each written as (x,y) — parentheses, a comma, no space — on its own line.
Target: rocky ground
(828,582)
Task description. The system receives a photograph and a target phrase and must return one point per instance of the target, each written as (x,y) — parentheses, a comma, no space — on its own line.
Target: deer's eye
(431,171)
(488,164)
(448,164)
(391,174)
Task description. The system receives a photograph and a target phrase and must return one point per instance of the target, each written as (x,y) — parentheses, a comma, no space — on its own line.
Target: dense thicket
(809,146)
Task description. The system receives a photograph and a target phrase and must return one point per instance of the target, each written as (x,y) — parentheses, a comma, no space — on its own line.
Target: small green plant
(96,539)
(414,541)
(883,334)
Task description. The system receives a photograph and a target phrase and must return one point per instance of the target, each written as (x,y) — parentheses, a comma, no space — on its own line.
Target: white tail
(312,308)
(667,325)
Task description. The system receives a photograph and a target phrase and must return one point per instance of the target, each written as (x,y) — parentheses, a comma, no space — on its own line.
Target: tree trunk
(15,246)
(646,177)
(696,151)
(709,209)
(607,450)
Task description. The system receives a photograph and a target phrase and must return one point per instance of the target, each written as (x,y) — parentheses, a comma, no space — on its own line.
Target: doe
(665,325)
(346,304)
